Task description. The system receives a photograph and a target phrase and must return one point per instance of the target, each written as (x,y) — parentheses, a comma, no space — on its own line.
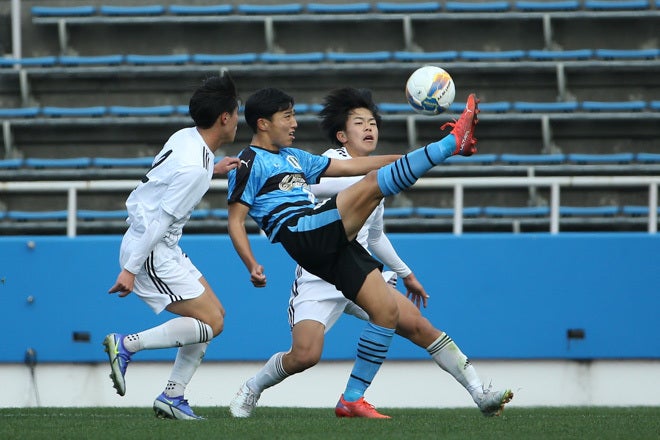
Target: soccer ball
(430,90)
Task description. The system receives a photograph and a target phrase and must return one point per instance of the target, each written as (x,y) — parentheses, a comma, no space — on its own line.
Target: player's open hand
(225,165)
(415,291)
(124,284)
(257,276)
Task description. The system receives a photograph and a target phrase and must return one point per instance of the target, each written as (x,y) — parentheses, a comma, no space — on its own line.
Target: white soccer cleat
(491,403)
(244,402)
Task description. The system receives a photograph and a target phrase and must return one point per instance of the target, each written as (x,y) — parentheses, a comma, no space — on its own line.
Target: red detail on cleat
(463,129)
(359,408)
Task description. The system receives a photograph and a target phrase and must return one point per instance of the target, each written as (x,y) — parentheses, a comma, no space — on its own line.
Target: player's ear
(262,124)
(341,137)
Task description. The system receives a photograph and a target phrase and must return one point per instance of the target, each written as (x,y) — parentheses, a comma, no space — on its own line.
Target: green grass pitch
(304,423)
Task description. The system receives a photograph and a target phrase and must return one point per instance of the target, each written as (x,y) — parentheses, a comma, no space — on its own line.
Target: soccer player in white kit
(154,266)
(350,119)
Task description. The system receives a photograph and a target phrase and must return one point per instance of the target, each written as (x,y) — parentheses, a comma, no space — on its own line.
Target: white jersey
(158,209)
(180,176)
(315,299)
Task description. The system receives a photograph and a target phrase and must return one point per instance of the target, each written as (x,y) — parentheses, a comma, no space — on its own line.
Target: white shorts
(167,276)
(317,300)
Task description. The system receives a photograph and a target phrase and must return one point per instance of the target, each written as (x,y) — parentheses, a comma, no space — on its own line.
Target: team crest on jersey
(293,161)
(291,181)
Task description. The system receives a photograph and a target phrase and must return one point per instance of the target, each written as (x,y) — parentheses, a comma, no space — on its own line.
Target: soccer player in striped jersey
(272,186)
(350,120)
(152,263)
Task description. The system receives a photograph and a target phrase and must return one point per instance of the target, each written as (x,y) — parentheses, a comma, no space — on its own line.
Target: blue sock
(403,173)
(371,352)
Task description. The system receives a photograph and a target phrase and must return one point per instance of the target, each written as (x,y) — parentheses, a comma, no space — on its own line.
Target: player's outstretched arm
(239,238)
(358,166)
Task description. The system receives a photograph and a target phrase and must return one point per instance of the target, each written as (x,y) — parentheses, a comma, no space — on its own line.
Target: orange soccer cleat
(463,129)
(359,408)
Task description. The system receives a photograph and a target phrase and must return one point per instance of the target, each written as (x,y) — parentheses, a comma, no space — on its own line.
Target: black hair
(264,103)
(215,96)
(338,104)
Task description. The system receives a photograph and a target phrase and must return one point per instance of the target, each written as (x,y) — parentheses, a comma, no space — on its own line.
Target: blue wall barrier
(500,296)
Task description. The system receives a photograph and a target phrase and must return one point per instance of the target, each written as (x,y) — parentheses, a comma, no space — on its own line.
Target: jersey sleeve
(329,186)
(188,186)
(242,182)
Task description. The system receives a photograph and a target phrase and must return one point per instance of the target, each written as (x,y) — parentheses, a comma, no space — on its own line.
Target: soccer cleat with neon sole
(119,358)
(359,408)
(491,403)
(177,408)
(463,128)
(244,402)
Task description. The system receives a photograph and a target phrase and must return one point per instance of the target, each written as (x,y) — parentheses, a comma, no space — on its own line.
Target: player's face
(282,128)
(361,134)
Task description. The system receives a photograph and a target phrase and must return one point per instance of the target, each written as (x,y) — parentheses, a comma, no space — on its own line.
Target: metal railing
(458,185)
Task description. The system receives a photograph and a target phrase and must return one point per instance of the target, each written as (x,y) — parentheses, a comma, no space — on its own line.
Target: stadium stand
(105,109)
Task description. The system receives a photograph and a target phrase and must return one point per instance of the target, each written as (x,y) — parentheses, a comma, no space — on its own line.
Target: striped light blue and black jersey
(275,185)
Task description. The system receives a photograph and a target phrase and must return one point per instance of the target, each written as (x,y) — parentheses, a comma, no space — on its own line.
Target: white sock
(188,359)
(176,332)
(450,358)
(270,374)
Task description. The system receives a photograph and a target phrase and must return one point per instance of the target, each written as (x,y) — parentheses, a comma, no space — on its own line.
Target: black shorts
(316,240)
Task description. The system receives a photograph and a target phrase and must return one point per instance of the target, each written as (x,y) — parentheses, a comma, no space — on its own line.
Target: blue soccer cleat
(167,407)
(119,358)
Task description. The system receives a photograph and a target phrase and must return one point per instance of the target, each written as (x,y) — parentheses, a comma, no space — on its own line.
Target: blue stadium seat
(158,110)
(615,5)
(654,105)
(225,58)
(122,162)
(75,162)
(289,8)
(92,214)
(523,211)
(340,57)
(200,9)
(482,6)
(200,214)
(493,107)
(545,107)
(343,8)
(157,59)
(578,158)
(637,210)
(430,212)
(559,5)
(112,10)
(36,215)
(482,55)
(523,159)
(405,7)
(648,157)
(622,106)
(308,57)
(478,159)
(220,213)
(577,54)
(395,107)
(106,60)
(588,211)
(11,164)
(402,212)
(183,110)
(74,112)
(22,112)
(45,61)
(627,54)
(63,11)
(447,55)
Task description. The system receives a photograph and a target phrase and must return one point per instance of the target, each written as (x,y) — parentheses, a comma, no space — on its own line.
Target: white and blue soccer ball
(430,90)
